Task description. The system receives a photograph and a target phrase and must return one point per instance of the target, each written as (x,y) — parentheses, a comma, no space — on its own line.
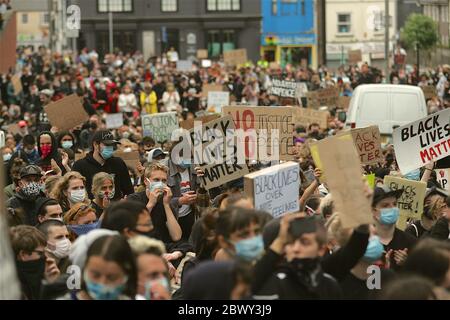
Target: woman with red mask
(48,150)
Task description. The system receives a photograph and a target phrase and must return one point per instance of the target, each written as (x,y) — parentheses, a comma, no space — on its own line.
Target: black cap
(30,170)
(105,137)
(384,192)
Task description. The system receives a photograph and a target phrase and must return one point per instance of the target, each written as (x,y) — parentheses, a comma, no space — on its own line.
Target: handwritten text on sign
(417,144)
(275,189)
(368,144)
(411,201)
(160,126)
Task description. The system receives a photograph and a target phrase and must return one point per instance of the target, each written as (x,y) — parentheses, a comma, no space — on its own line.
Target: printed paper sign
(114,120)
(283,88)
(418,143)
(275,189)
(217,100)
(442,177)
(160,126)
(67,113)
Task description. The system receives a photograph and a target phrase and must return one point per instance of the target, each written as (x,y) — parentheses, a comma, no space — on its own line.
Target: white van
(388,106)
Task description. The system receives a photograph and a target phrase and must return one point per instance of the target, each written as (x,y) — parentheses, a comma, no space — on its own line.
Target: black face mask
(150,234)
(306,271)
(31,274)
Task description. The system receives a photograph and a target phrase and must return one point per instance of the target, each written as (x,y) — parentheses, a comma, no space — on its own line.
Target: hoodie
(45,163)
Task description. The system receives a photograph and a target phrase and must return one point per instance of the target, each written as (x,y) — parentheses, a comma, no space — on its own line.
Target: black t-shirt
(400,241)
(416,229)
(354,288)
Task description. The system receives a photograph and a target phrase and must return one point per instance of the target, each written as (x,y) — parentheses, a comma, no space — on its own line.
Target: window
(24,18)
(115,5)
(344,23)
(289,7)
(169,5)
(223,5)
(378,21)
(274,7)
(45,18)
(220,41)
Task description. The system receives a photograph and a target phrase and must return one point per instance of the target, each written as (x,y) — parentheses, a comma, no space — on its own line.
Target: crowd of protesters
(150,232)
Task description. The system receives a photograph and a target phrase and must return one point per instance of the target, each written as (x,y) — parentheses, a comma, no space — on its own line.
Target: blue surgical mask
(250,249)
(156,185)
(7,156)
(185,163)
(413,175)
(99,291)
(389,216)
(148,286)
(107,152)
(82,229)
(67,144)
(374,250)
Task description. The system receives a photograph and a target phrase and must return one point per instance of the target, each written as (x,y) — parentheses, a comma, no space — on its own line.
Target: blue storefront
(289,32)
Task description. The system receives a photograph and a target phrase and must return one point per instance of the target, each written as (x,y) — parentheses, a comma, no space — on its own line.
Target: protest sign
(217,100)
(160,126)
(302,90)
(67,113)
(235,57)
(429,92)
(14,128)
(274,66)
(411,201)
(283,88)
(324,97)
(418,143)
(17,84)
(211,88)
(371,180)
(265,118)
(184,65)
(189,124)
(202,54)
(368,144)
(131,159)
(442,177)
(209,148)
(305,117)
(114,120)
(343,102)
(275,189)
(342,168)
(354,56)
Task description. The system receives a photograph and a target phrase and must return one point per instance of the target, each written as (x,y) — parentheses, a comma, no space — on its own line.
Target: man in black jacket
(101,159)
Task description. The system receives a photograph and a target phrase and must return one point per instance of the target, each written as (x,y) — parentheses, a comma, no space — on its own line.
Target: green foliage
(422,29)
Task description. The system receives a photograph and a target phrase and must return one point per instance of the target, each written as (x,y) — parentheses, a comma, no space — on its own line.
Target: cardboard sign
(131,159)
(184,65)
(211,88)
(411,201)
(202,54)
(343,102)
(306,117)
(442,177)
(266,118)
(429,92)
(354,56)
(368,144)
(283,88)
(275,189)
(14,129)
(189,124)
(274,66)
(217,100)
(114,120)
(344,178)
(211,142)
(324,97)
(17,84)
(66,113)
(160,126)
(235,57)
(418,143)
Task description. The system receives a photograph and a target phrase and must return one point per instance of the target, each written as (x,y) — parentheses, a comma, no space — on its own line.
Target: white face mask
(60,249)
(77,196)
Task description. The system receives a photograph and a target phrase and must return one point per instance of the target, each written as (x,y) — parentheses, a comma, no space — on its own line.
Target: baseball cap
(47,92)
(384,192)
(30,170)
(22,123)
(105,137)
(157,152)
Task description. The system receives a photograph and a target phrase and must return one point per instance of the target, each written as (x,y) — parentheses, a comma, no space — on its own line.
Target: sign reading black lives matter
(284,88)
(421,142)
(214,154)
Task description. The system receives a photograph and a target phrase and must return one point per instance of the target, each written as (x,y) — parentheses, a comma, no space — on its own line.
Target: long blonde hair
(60,189)
(99,179)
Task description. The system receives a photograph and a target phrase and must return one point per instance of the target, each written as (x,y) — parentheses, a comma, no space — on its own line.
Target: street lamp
(110,18)
(417,47)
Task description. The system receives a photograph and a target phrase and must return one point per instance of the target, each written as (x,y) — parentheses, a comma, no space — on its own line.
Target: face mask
(28,151)
(31,273)
(60,249)
(185,164)
(155,185)
(413,175)
(101,194)
(389,216)
(82,229)
(126,135)
(99,291)
(107,152)
(148,286)
(250,249)
(374,250)
(306,270)
(77,196)
(67,144)
(31,190)
(7,157)
(45,151)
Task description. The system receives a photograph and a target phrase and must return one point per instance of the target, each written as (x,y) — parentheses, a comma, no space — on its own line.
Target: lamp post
(111,35)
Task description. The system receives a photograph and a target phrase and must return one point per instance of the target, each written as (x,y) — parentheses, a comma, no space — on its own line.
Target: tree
(420,30)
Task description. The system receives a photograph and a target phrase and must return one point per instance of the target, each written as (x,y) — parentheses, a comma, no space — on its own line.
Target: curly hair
(77,211)
(60,189)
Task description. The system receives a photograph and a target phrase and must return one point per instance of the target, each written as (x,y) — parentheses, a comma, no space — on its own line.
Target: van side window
(405,107)
(374,107)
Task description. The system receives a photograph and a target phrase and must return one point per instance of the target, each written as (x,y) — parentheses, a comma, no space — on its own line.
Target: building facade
(154,26)
(438,10)
(289,33)
(359,25)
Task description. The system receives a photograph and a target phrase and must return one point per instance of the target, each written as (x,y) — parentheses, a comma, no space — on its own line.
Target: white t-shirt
(185,186)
